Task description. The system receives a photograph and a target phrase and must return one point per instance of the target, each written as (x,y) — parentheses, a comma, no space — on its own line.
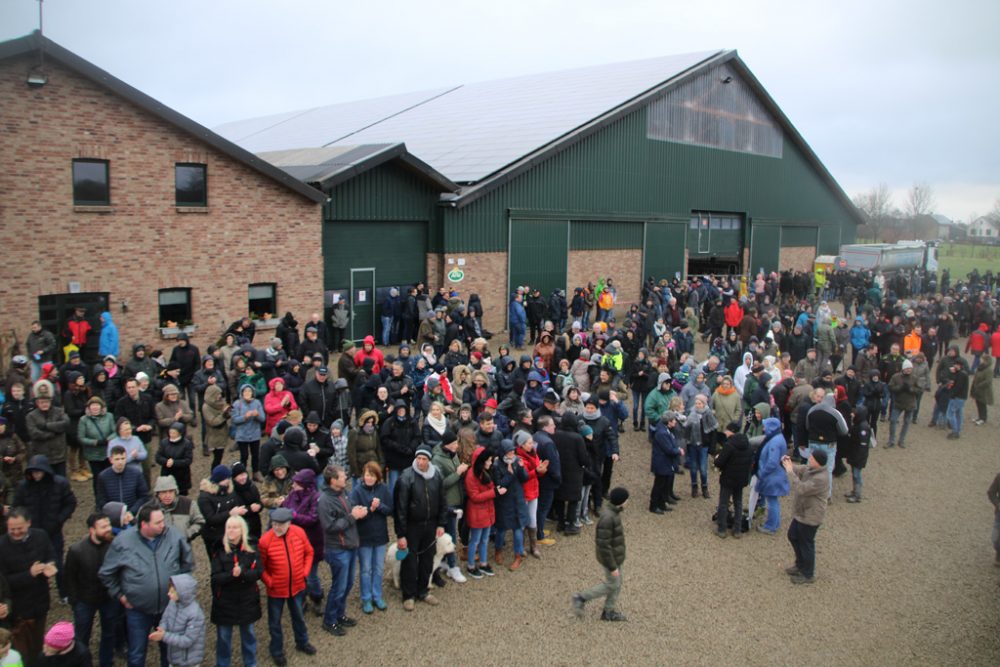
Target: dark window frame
(77,200)
(257,311)
(203,202)
(171,315)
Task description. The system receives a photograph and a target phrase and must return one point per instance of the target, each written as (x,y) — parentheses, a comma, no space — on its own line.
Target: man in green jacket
(610,541)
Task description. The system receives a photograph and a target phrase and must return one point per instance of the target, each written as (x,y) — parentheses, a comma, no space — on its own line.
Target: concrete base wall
(798,259)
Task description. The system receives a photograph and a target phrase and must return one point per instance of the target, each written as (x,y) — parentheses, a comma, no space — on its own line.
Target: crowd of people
(451,441)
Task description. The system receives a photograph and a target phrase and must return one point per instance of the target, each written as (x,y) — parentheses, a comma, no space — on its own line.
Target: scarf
(439,424)
(722,390)
(426,475)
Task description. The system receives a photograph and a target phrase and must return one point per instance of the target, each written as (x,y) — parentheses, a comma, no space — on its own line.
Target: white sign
(336,298)
(74,287)
(461,261)
(362,296)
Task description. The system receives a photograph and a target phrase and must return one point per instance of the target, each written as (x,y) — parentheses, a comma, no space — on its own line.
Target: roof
(485,134)
(332,165)
(471,131)
(942,219)
(30,43)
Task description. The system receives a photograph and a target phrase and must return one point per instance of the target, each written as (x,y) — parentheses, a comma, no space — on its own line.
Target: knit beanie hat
(820,456)
(219,473)
(60,636)
(907,365)
(521,437)
(423,450)
(618,496)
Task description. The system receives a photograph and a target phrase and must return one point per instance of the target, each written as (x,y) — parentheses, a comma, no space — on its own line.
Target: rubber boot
(694,491)
(704,492)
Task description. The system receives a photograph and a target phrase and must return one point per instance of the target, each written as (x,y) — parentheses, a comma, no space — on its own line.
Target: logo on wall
(456,275)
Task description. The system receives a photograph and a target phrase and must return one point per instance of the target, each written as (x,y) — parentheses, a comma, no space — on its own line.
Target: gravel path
(904,578)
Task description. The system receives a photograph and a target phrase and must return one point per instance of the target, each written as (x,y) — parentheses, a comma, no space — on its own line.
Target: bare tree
(919,200)
(876,207)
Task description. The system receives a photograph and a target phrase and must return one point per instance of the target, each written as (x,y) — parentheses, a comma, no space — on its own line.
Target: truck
(888,257)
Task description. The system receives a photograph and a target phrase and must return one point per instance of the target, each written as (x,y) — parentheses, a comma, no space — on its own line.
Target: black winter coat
(83,561)
(215,508)
(29,595)
(573,458)
(50,501)
(235,600)
(418,500)
(399,442)
(734,462)
(319,398)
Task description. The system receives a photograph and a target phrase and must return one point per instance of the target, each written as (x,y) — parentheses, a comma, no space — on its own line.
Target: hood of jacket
(305,478)
(106,318)
(185,585)
(369,340)
(764,409)
(772,425)
(274,381)
(39,462)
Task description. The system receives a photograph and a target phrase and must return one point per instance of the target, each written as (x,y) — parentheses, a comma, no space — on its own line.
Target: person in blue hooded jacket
(511,509)
(517,322)
(534,393)
(772,481)
(861,337)
(108,342)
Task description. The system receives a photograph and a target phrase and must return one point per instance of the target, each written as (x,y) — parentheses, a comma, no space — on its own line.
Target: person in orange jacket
(913,341)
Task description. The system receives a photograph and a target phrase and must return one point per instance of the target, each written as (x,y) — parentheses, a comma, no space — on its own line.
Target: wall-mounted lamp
(124,305)
(37,78)
(727,79)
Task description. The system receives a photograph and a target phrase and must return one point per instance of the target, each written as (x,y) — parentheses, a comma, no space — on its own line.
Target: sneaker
(486,569)
(336,630)
(474,572)
(799,579)
(890,445)
(346,621)
(306,648)
(547,541)
(456,575)
(577,604)
(792,570)
(854,499)
(366,607)
(409,605)
(381,605)
(762,529)
(953,436)
(901,445)
(431,600)
(978,422)
(656,510)
(587,521)
(612,615)
(721,533)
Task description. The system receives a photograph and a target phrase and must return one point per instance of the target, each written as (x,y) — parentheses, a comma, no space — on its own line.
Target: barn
(663,167)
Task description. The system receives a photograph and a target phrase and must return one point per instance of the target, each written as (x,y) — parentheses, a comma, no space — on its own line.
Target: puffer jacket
(447,464)
(809,488)
(363,447)
(340,528)
(247,428)
(665,451)
(47,434)
(235,600)
(530,462)
(512,510)
(215,505)
(184,623)
(274,404)
(479,509)
(734,462)
(609,539)
(50,500)
(131,568)
(771,477)
(93,433)
(286,562)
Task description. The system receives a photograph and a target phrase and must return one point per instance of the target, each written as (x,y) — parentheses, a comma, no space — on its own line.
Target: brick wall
(253,229)
(435,274)
(485,275)
(799,259)
(623,266)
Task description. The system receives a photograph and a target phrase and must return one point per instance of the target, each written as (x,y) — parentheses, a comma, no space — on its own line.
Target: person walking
(809,501)
(137,572)
(905,390)
(286,558)
(610,541)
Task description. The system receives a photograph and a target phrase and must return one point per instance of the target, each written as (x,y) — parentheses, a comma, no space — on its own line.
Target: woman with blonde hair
(235,598)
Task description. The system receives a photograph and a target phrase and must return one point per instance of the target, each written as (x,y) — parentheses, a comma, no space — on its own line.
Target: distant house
(984,227)
(944,225)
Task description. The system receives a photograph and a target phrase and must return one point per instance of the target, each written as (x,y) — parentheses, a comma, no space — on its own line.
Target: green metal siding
(765,248)
(619,171)
(388,192)
(604,235)
(721,243)
(664,252)
(798,237)
(538,255)
(396,249)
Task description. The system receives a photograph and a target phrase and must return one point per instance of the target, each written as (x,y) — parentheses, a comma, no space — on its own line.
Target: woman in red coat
(480,515)
(529,459)
(278,402)
(733,314)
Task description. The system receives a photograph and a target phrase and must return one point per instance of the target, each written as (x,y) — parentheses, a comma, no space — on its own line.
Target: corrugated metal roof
(331,165)
(470,131)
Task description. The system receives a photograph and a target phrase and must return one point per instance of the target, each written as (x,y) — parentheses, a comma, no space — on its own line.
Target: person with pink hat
(61,648)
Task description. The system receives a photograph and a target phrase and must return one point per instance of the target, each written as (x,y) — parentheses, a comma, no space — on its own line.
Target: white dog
(444,546)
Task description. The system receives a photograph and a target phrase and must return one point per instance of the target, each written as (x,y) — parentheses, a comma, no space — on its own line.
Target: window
(175,306)
(91,185)
(263,299)
(191,184)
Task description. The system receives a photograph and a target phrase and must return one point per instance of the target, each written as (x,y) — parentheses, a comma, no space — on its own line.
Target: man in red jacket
(286,557)
(367,350)
(733,314)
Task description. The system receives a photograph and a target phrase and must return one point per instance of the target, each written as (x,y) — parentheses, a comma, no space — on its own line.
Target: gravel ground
(904,578)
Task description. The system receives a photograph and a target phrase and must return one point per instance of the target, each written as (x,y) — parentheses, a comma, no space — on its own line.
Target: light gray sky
(891,90)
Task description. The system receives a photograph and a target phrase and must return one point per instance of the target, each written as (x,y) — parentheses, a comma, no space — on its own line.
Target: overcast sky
(885,90)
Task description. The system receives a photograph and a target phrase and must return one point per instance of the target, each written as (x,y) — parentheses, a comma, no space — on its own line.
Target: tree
(919,200)
(876,207)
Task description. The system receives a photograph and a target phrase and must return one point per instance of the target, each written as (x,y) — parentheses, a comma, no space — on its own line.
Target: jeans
(916,410)
(138,625)
(894,419)
(386,329)
(274,609)
(698,459)
(451,527)
(584,502)
(831,459)
(372,564)
(956,410)
(585,320)
(83,624)
(608,590)
(517,332)
(858,483)
(886,399)
(479,540)
(803,539)
(773,521)
(975,362)
(546,495)
(341,564)
(391,481)
(224,645)
(313,587)
(532,514)
(723,509)
(518,540)
(638,405)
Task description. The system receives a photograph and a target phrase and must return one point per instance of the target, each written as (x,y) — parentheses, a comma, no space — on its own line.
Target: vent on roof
(717,109)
